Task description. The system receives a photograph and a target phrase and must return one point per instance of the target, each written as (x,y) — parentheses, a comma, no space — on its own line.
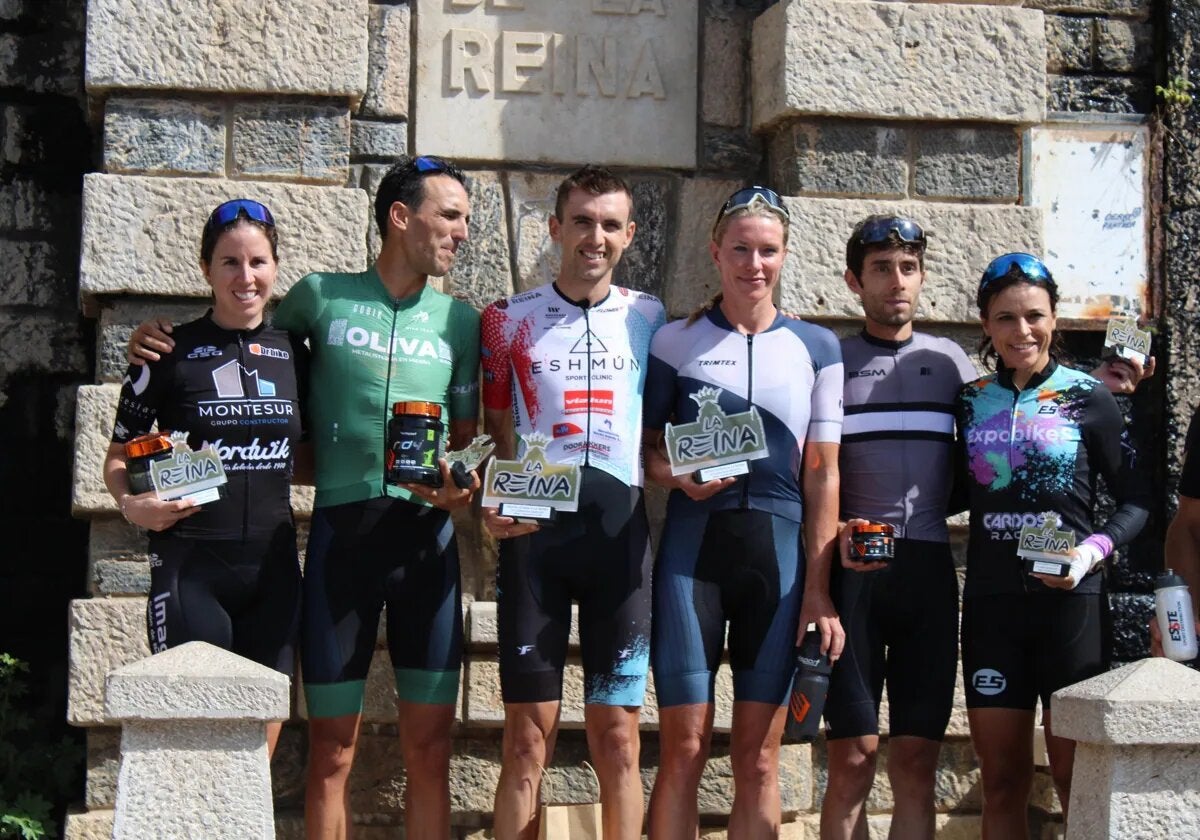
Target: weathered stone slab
(1099,94)
(1146,702)
(103,761)
(1068,43)
(105,633)
(839,158)
(723,82)
(506,81)
(693,279)
(119,316)
(963,238)
(531,201)
(36,273)
(164,137)
(378,140)
(292,142)
(43,342)
(387,62)
(141,234)
(91,825)
(232,46)
(899,60)
(482,272)
(643,264)
(967,163)
(1123,8)
(1124,47)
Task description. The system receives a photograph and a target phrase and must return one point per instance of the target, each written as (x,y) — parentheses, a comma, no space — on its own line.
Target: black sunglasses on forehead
(878,230)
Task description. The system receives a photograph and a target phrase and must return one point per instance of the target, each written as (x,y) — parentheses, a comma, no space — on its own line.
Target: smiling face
(242,274)
(889,287)
(594,232)
(749,256)
(1020,323)
(431,233)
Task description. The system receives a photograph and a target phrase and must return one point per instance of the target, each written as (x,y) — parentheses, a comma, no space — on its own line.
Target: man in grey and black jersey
(896,464)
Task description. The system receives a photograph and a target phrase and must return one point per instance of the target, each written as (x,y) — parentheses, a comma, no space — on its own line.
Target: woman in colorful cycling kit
(731,548)
(1034,436)
(224,572)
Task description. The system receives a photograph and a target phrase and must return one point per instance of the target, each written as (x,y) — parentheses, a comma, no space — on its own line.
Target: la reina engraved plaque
(558,81)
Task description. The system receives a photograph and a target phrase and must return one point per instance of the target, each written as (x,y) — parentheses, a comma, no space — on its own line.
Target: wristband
(1101,541)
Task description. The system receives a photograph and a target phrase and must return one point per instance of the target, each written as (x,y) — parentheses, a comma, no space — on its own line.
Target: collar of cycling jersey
(883,342)
(406,302)
(582,304)
(718,317)
(1005,376)
(262,325)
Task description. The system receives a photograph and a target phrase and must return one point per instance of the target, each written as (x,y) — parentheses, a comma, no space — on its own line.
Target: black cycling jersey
(238,390)
(1189,482)
(1038,450)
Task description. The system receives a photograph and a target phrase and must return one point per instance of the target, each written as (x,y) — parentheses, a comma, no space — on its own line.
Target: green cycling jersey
(369,351)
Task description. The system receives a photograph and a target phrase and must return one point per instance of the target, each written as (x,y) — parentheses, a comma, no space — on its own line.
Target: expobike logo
(988,682)
(1029,432)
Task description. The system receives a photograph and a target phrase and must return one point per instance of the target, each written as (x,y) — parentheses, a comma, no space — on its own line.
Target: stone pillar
(1137,763)
(193,745)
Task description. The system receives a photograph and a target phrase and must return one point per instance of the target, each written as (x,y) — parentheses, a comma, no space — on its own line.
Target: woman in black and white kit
(225,572)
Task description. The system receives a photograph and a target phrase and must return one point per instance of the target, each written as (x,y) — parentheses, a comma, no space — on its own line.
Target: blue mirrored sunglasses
(1035,270)
(229,211)
(424,163)
(878,230)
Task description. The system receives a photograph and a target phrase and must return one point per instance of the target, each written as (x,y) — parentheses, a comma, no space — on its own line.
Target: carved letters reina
(598,80)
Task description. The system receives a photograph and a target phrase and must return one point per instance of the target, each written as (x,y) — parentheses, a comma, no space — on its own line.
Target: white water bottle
(1176,621)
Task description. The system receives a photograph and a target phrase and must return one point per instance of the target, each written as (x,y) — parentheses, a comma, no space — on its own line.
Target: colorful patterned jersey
(1039,450)
(573,373)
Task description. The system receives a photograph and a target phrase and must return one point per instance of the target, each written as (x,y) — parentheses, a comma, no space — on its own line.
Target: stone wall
(45,344)
(212,102)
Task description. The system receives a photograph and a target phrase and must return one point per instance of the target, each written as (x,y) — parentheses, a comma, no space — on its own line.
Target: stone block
(730,150)
(839,158)
(141,234)
(1146,702)
(36,273)
(90,825)
(532,83)
(43,62)
(105,633)
(482,272)
(117,319)
(387,62)
(693,278)
(96,408)
(28,204)
(967,163)
(378,140)
(723,72)
(236,46)
(293,142)
(1099,94)
(164,136)
(898,60)
(103,761)
(119,577)
(643,264)
(10,9)
(1068,43)
(1124,47)
(42,342)
(963,238)
(196,681)
(531,202)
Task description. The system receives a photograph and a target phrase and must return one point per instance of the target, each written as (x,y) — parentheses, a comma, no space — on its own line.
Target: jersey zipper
(387,387)
(245,472)
(750,404)
(906,499)
(587,337)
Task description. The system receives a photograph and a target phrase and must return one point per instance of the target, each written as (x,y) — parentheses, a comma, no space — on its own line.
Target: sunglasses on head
(229,212)
(427,163)
(878,230)
(1035,270)
(751,195)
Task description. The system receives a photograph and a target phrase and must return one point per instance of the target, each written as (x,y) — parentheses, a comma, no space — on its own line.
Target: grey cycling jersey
(897,437)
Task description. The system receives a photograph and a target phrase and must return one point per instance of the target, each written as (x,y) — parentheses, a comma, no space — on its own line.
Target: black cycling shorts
(1019,647)
(240,595)
(600,557)
(362,556)
(901,628)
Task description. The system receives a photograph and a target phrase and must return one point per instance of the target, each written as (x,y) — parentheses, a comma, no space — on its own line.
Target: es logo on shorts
(988,682)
